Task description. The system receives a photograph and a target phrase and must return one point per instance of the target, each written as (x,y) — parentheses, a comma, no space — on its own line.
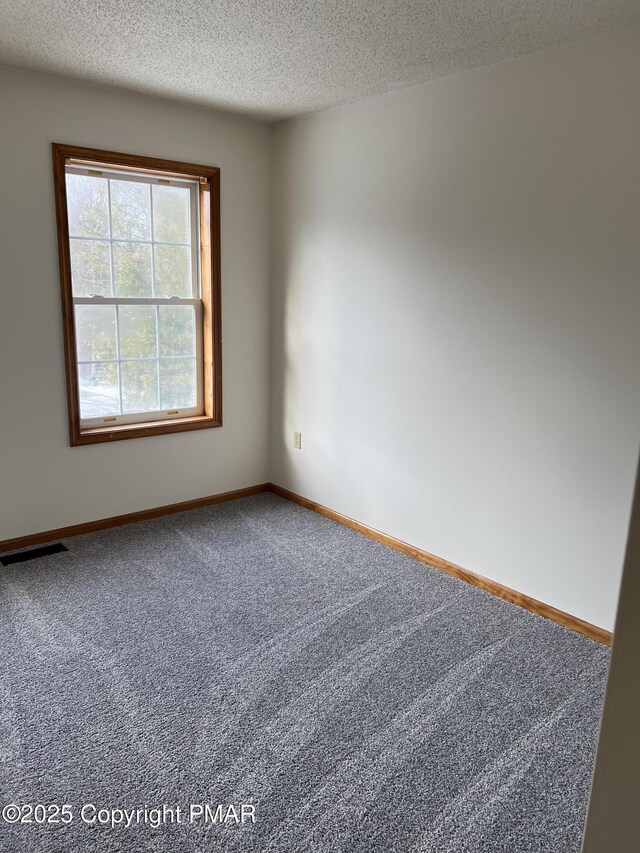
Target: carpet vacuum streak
(256,653)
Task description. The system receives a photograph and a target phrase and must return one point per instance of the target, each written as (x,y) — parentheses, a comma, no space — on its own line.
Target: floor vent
(32,554)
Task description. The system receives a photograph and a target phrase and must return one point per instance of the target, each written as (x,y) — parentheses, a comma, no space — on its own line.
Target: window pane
(90,268)
(132,269)
(139,386)
(99,391)
(96,332)
(171,214)
(178,388)
(177,329)
(130,210)
(87,206)
(173,271)
(137,324)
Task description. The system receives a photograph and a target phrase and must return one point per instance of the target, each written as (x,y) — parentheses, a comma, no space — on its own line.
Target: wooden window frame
(209,200)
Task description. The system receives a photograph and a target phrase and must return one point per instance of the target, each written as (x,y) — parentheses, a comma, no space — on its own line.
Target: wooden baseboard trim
(129,518)
(504,592)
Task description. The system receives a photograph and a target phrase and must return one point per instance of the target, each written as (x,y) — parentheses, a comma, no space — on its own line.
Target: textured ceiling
(276,58)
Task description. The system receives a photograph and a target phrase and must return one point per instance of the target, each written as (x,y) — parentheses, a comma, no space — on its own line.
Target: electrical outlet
(297,440)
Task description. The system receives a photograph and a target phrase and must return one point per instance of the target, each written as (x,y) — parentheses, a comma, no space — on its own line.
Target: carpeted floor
(256,653)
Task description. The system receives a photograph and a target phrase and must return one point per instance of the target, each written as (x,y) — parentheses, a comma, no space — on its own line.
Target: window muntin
(135,279)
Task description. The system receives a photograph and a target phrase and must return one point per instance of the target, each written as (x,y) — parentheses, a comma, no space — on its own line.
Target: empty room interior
(320,383)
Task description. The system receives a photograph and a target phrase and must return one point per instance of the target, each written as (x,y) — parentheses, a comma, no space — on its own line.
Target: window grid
(157,301)
(153,251)
(136,240)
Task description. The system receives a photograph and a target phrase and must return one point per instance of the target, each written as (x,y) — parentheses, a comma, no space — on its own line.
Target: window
(139,267)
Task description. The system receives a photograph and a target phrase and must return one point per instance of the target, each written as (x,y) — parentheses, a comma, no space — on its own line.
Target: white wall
(456,318)
(44,483)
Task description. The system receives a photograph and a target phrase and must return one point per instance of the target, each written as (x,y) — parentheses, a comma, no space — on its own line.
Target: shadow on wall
(454,320)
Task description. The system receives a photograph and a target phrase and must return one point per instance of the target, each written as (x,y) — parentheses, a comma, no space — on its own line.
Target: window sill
(99,435)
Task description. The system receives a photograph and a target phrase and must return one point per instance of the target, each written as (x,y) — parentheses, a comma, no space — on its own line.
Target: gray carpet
(256,653)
